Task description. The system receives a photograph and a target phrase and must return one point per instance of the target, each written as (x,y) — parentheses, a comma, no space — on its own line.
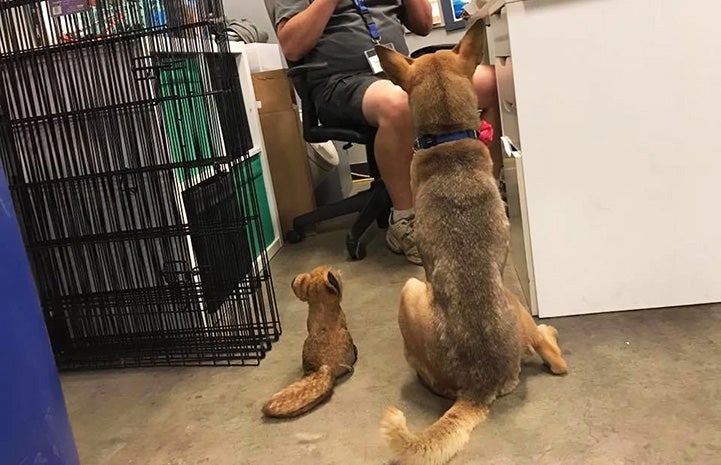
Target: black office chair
(373,204)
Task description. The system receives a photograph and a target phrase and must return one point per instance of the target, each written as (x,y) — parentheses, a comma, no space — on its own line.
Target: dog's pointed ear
(300,286)
(332,282)
(396,65)
(472,47)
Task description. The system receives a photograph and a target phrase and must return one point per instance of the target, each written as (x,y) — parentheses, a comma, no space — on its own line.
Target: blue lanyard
(368,20)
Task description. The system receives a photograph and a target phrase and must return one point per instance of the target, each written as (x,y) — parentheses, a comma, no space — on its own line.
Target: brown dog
(328,351)
(463,332)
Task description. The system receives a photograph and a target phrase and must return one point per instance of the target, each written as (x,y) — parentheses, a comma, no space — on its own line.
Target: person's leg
(385,106)
(363,99)
(484,80)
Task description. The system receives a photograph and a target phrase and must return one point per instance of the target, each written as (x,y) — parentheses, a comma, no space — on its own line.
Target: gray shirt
(346,36)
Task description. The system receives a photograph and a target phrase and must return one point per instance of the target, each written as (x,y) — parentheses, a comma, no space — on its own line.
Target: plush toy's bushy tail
(438,443)
(301,396)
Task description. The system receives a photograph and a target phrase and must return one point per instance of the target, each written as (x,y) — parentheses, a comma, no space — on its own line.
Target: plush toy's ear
(333,283)
(396,65)
(472,47)
(300,286)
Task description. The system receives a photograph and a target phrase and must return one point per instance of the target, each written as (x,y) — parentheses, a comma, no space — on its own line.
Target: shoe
(400,239)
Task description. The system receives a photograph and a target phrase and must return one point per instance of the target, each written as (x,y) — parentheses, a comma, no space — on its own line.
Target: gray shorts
(339,101)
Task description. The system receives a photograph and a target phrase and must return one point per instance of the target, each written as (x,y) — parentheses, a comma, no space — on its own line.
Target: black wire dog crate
(125,143)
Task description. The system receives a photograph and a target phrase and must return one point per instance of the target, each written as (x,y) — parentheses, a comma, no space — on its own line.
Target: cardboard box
(274,91)
(288,162)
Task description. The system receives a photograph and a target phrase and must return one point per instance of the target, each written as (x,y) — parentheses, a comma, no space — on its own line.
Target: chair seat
(318,134)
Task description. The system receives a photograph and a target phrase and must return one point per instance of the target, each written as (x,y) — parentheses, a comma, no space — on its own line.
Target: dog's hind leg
(416,320)
(542,338)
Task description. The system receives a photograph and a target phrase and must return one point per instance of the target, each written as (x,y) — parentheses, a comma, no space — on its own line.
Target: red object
(485,132)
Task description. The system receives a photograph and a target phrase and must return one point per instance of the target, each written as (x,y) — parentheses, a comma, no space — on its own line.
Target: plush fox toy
(328,351)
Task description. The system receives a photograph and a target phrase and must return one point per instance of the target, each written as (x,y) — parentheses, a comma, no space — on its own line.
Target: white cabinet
(611,108)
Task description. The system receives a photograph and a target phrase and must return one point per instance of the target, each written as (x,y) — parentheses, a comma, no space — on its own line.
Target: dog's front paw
(551,353)
(559,368)
(549,331)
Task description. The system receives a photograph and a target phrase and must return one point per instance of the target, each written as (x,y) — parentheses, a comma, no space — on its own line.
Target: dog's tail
(438,443)
(301,396)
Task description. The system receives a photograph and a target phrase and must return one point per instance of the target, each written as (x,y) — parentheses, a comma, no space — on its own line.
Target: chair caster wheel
(356,249)
(294,236)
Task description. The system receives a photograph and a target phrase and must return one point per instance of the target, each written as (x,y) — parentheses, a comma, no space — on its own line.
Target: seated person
(348,93)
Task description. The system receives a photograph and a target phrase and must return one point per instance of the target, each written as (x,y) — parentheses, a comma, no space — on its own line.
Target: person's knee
(484,81)
(394,110)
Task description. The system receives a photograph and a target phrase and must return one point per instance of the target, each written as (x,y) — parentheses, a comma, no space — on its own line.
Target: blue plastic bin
(34,426)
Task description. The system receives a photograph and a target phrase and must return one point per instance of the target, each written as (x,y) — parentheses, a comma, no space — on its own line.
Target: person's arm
(298,35)
(419,16)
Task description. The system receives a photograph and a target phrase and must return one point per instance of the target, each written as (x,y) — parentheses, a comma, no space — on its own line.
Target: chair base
(373,205)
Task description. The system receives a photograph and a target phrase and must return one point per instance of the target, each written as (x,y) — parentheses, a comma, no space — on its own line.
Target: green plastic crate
(185,118)
(266,220)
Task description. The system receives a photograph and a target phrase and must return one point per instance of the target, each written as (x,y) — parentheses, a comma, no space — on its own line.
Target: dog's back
(462,235)
(461,227)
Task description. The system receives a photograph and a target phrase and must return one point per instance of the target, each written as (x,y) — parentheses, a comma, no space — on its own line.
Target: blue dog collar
(427,141)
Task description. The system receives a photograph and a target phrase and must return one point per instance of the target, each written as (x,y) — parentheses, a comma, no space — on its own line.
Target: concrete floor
(644,388)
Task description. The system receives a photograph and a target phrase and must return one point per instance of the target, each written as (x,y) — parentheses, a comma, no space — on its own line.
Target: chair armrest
(304,69)
(431,49)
